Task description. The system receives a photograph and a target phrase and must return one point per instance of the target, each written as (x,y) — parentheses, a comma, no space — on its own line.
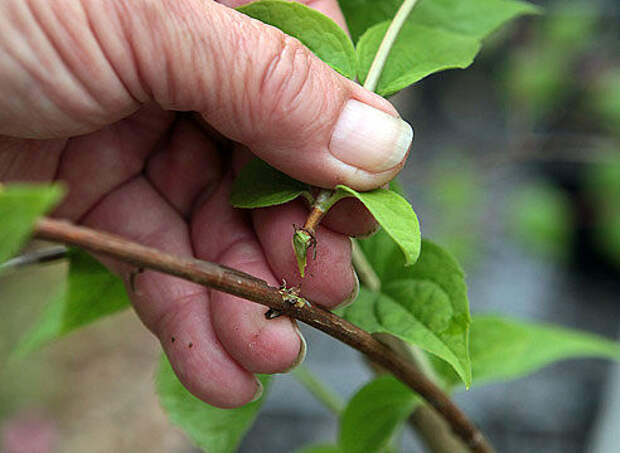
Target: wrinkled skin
(90,95)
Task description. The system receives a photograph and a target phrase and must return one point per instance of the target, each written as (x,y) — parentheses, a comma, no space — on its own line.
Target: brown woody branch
(248,287)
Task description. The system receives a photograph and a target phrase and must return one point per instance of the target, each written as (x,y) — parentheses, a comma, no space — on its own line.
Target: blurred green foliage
(564,71)
(555,64)
(458,198)
(541,218)
(603,187)
(19,298)
(89,293)
(604,101)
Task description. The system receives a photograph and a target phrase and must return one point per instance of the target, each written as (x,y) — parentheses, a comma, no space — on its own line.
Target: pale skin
(90,94)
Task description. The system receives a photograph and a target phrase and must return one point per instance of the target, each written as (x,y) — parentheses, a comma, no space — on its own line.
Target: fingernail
(259,390)
(303,348)
(370,139)
(349,300)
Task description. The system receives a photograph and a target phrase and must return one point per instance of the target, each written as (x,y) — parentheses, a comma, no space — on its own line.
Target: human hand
(89,95)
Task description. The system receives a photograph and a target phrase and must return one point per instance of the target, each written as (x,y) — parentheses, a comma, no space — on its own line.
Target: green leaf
(210,428)
(363,14)
(395,215)
(260,185)
(380,313)
(374,414)
(384,256)
(425,304)
(437,35)
(90,293)
(320,448)
(475,18)
(315,30)
(503,348)
(418,51)
(20,206)
(434,263)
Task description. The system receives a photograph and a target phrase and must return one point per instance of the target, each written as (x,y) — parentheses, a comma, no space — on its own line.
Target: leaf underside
(259,185)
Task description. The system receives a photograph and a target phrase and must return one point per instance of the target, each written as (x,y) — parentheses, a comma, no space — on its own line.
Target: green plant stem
(376,68)
(320,391)
(365,272)
(254,289)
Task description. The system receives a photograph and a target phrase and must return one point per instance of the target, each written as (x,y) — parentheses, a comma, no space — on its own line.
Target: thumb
(264,89)
(77,65)
(295,112)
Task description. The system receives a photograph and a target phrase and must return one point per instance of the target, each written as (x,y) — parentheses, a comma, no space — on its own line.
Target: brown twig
(244,285)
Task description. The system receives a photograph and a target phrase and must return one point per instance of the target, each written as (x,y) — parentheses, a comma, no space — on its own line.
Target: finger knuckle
(285,78)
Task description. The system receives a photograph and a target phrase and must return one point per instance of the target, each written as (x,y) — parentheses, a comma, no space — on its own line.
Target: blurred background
(515,169)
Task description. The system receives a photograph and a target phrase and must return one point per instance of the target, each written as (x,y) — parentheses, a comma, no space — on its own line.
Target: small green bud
(302,240)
